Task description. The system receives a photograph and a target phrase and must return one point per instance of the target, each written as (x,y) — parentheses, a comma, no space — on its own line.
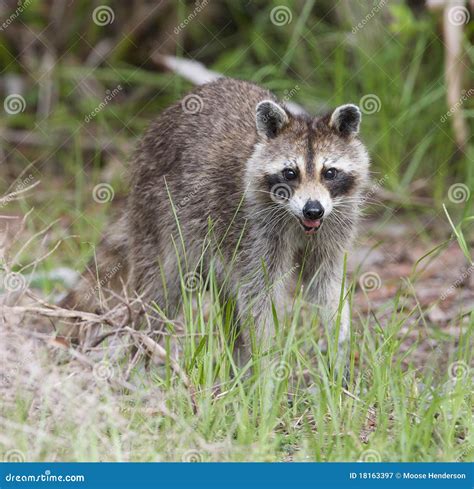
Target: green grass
(289,407)
(61,411)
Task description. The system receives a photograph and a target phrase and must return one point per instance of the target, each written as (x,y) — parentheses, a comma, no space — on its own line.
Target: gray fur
(209,171)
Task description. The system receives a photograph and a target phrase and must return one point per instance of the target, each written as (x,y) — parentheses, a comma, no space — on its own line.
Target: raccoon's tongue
(311,224)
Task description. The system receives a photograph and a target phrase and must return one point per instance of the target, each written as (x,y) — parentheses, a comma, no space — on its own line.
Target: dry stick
(133,363)
(161,354)
(454,70)
(54,313)
(453,65)
(51,310)
(152,346)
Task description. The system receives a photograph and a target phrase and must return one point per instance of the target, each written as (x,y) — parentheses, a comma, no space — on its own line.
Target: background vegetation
(88,83)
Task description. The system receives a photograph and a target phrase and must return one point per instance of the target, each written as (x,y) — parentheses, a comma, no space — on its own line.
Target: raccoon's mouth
(311,227)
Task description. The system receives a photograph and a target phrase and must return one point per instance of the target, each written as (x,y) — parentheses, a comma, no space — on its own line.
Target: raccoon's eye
(289,174)
(330,174)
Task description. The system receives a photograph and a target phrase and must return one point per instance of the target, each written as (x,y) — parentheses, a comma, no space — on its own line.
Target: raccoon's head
(312,168)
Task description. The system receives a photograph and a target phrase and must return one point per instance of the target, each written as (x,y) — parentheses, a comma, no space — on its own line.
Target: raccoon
(229,180)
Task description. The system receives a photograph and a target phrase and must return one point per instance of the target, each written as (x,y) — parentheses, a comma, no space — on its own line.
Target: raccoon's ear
(346,120)
(270,118)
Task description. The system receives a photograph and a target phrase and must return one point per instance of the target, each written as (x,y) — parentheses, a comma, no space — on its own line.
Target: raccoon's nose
(313,210)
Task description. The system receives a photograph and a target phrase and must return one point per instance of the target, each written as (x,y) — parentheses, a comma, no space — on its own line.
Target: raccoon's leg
(255,302)
(252,312)
(323,288)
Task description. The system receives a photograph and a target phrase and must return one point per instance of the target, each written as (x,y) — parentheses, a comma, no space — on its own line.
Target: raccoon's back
(195,153)
(214,124)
